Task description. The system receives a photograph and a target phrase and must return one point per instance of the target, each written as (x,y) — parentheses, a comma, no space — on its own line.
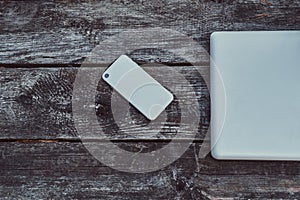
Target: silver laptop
(255,93)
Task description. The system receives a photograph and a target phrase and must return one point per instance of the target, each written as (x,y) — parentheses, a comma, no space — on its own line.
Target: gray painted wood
(42,44)
(66,31)
(37,103)
(44,169)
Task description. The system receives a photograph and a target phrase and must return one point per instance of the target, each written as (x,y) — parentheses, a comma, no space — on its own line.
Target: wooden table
(43,44)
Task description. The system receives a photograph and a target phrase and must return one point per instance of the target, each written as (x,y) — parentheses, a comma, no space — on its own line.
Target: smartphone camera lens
(106,75)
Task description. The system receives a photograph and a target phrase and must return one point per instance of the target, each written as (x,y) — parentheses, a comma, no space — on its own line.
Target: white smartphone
(137,87)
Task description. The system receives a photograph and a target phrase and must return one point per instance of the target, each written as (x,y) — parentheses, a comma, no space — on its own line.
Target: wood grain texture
(67,170)
(65,32)
(36,103)
(42,44)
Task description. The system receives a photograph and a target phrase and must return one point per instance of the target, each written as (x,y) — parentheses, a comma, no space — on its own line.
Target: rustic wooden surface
(42,44)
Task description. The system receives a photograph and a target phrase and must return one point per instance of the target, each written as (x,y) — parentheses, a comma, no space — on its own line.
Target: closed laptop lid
(255,93)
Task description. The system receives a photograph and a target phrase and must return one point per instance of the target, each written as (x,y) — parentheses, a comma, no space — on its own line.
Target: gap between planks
(74,140)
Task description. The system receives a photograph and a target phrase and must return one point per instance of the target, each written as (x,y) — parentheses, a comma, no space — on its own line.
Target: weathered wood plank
(37,103)
(66,31)
(65,169)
